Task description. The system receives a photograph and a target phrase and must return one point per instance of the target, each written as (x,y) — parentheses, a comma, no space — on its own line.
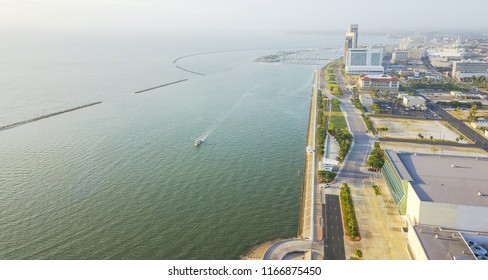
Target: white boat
(198,141)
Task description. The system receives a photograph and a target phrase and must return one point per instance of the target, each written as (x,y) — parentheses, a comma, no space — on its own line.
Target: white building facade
(414,102)
(364,61)
(469,69)
(379,82)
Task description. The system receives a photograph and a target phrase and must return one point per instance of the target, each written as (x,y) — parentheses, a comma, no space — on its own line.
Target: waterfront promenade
(307,220)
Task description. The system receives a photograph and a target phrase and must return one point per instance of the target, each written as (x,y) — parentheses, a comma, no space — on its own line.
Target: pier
(165,85)
(5,127)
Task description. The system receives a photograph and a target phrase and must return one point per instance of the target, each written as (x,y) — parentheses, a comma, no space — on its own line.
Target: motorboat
(198,141)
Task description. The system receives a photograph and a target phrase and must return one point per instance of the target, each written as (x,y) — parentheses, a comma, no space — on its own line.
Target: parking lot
(397,109)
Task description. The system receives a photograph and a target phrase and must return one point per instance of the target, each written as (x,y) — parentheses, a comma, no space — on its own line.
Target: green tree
(472,114)
(358,253)
(376,108)
(376,158)
(326,176)
(374,93)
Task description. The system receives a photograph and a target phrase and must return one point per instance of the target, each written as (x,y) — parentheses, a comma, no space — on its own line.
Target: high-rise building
(347,46)
(351,39)
(361,60)
(364,61)
(353,30)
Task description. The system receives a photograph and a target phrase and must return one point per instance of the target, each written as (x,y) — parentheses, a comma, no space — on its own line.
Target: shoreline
(306,220)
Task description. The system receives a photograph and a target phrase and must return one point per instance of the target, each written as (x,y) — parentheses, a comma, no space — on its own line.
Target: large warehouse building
(444,199)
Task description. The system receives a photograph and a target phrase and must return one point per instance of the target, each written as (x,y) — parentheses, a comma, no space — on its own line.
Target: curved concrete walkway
(281,249)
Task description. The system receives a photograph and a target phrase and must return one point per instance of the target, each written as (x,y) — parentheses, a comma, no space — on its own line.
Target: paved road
(362,141)
(375,230)
(479,140)
(333,229)
(351,172)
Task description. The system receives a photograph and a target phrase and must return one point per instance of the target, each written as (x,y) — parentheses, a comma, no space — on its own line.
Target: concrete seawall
(5,127)
(307,227)
(189,71)
(303,198)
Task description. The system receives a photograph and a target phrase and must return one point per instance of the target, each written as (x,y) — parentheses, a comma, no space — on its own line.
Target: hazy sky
(160,15)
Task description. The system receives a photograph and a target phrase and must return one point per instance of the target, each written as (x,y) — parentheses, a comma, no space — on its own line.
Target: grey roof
(443,245)
(447,179)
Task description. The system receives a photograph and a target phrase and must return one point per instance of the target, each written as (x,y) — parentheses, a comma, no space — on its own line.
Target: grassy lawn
(337,117)
(336,90)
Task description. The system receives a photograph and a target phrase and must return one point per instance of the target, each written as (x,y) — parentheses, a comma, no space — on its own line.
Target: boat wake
(219,122)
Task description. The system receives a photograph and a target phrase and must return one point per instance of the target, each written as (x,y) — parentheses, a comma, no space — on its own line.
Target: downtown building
(469,69)
(351,39)
(379,82)
(399,56)
(361,60)
(364,61)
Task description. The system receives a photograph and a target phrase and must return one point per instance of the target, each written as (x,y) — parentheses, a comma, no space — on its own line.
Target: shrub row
(348,214)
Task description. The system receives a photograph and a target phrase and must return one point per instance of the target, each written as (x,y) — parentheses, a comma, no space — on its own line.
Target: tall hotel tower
(361,60)
(351,39)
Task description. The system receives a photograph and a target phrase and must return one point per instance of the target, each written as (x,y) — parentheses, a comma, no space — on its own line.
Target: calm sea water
(123,180)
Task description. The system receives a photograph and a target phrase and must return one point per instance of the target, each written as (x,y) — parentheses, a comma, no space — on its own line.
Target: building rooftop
(441,244)
(413,97)
(378,78)
(365,96)
(445,179)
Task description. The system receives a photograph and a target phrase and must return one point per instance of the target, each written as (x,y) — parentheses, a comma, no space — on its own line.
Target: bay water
(123,179)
